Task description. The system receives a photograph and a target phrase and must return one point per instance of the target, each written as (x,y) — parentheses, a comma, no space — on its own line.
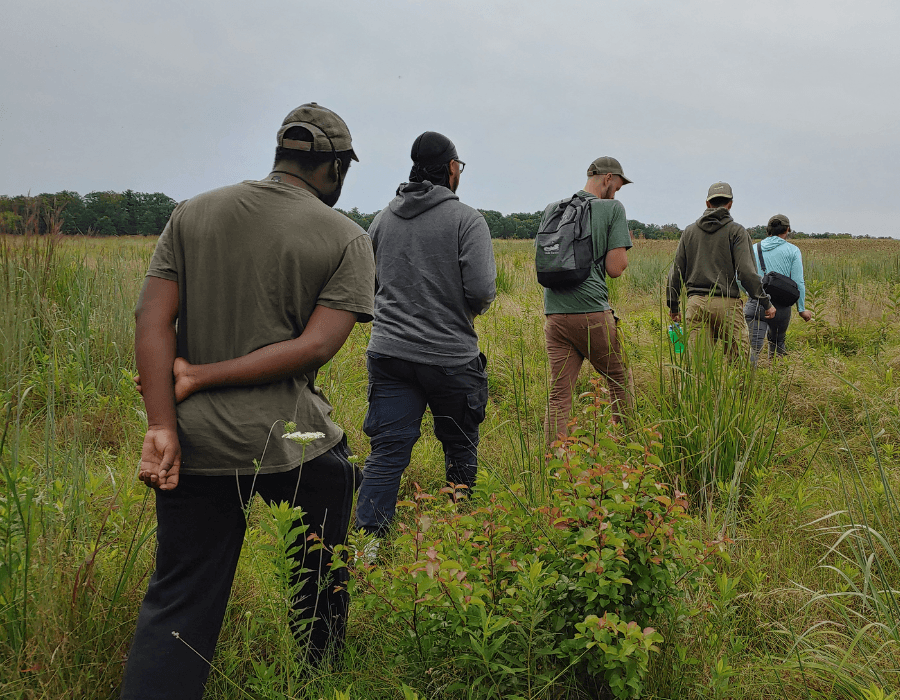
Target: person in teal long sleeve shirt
(783,257)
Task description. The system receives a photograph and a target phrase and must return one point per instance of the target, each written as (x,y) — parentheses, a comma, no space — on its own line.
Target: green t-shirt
(252,261)
(609,228)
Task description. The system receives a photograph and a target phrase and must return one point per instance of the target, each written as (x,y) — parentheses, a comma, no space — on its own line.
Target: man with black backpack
(581,240)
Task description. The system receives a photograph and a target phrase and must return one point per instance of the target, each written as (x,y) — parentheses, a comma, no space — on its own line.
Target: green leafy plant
(507,599)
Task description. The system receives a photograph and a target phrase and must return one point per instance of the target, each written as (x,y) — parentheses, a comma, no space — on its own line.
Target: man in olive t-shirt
(252,288)
(579,321)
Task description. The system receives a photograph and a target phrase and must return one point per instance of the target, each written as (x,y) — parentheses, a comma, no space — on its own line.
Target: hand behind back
(182,371)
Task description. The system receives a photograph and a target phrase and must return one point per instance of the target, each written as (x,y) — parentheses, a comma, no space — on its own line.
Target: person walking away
(435,274)
(578,321)
(713,255)
(252,288)
(784,257)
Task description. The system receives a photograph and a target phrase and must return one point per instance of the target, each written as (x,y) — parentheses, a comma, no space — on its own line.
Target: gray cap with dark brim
(719,189)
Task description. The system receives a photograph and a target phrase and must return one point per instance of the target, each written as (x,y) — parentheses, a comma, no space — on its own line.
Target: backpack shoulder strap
(589,219)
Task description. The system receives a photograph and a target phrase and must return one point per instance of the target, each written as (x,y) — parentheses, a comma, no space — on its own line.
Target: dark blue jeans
(399,392)
(762,328)
(200,531)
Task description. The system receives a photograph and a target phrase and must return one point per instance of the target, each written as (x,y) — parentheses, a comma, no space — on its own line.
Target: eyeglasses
(462,166)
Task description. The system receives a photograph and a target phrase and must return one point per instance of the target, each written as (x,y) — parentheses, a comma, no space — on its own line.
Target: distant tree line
(519,225)
(652,232)
(132,213)
(511,226)
(364,220)
(523,225)
(125,213)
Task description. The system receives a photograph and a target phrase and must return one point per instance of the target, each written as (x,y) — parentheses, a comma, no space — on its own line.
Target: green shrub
(508,599)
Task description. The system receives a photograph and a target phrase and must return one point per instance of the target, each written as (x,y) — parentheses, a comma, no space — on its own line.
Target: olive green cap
(782,218)
(719,189)
(607,164)
(329,131)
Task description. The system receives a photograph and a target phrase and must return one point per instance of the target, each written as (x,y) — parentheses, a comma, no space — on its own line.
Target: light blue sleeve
(797,276)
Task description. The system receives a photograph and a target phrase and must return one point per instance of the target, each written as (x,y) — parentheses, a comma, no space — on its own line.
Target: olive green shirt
(252,261)
(609,228)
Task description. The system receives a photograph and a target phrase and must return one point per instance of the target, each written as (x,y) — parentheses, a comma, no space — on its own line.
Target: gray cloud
(794,103)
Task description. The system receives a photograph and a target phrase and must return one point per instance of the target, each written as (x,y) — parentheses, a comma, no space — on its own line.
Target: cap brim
(591,172)
(353,155)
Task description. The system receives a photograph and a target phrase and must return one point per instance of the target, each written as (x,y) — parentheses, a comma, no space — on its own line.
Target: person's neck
(592,186)
(290,177)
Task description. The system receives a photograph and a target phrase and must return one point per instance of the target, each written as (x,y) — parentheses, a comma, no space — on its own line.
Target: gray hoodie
(435,272)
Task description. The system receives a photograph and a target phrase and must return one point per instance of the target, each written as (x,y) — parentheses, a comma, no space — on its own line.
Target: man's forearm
(616,262)
(324,335)
(673,290)
(269,364)
(154,350)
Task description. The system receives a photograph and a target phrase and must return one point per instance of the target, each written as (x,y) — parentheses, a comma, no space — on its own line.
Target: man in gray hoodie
(713,254)
(435,273)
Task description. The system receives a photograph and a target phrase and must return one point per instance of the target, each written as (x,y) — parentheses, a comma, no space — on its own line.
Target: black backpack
(564,247)
(782,290)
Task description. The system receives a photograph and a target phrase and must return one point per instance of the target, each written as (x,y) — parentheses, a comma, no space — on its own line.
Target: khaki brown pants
(718,319)
(570,339)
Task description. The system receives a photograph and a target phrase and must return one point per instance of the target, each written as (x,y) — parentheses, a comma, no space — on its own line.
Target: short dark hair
(717,202)
(776,228)
(308,160)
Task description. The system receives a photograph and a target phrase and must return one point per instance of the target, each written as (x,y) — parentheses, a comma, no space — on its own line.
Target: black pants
(200,531)
(762,328)
(399,392)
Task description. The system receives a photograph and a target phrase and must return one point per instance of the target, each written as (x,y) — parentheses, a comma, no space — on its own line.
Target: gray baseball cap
(782,218)
(719,189)
(607,164)
(329,131)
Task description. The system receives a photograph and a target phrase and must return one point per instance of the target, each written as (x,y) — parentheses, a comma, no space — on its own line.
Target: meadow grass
(792,469)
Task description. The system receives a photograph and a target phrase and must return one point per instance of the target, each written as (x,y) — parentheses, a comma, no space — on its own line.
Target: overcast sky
(793,102)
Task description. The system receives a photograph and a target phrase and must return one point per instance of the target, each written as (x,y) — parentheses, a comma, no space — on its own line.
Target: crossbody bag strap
(760,256)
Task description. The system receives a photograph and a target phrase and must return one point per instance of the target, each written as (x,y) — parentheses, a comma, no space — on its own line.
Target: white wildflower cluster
(303,438)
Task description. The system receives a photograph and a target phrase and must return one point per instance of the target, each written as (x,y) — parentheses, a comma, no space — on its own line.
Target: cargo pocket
(371,422)
(476,403)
